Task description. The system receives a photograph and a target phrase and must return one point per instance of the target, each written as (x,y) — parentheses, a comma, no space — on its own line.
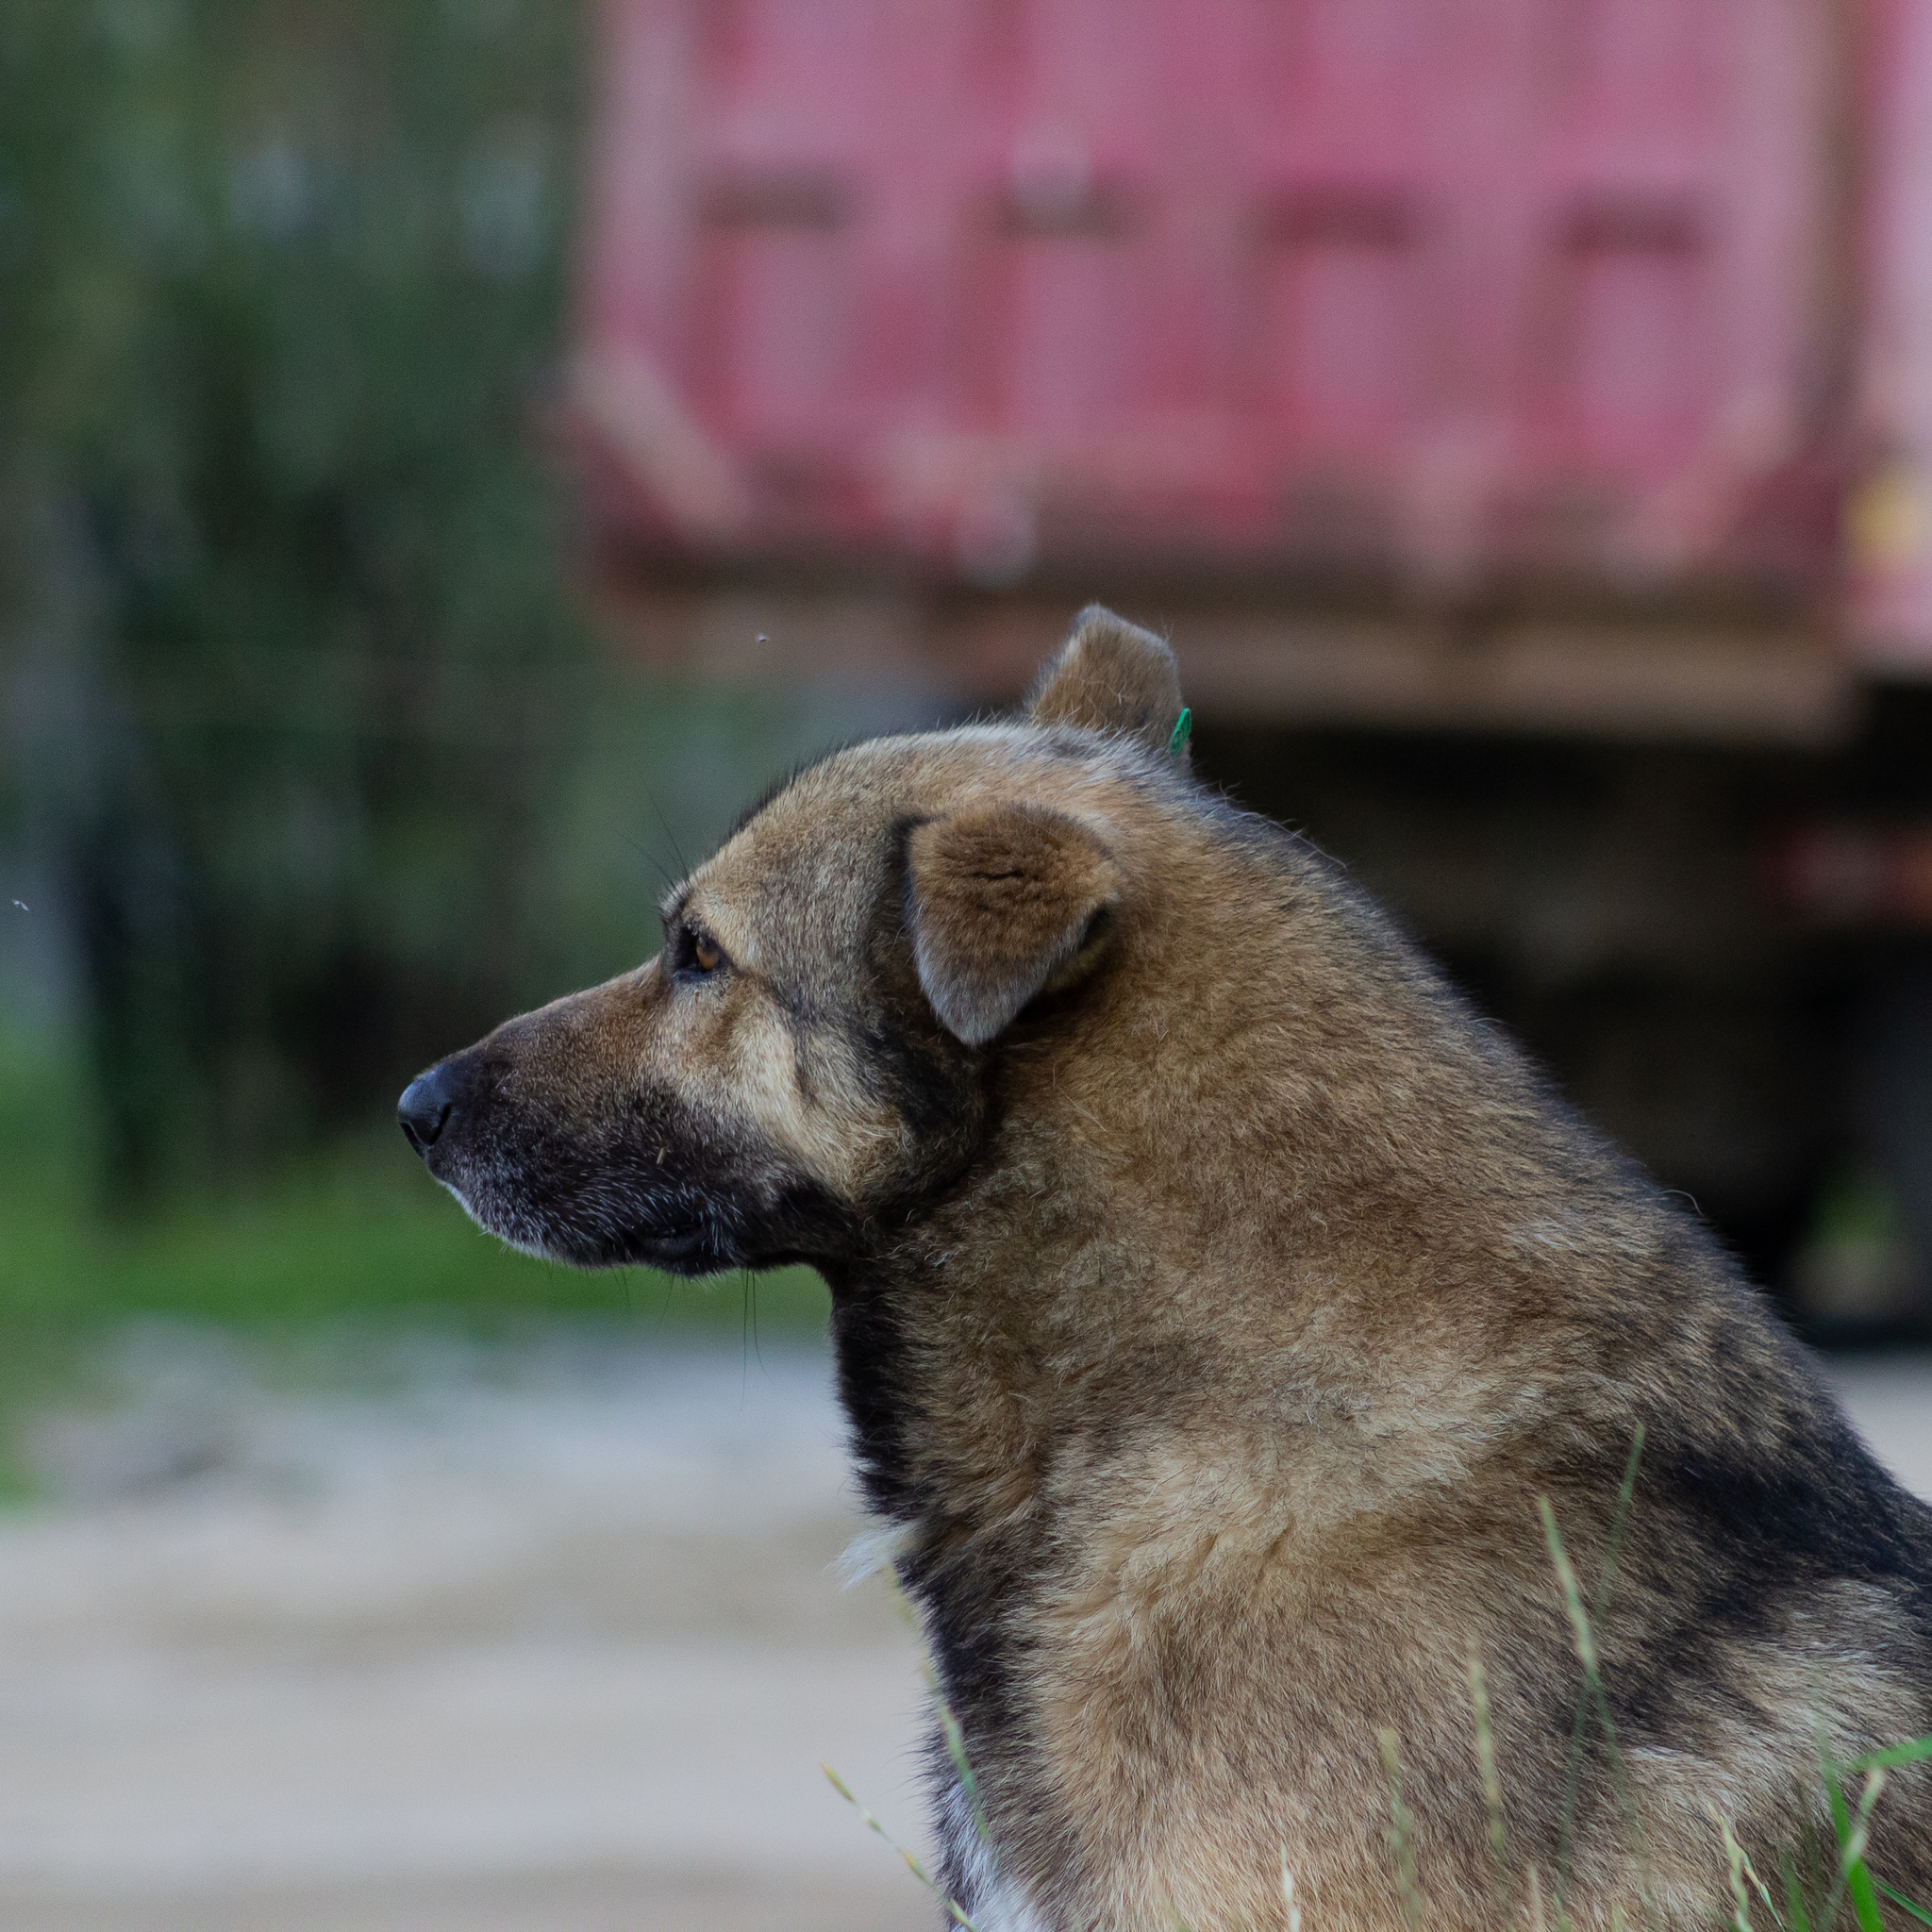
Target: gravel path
(491,1643)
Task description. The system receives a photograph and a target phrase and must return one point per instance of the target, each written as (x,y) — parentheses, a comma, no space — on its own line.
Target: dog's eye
(694,951)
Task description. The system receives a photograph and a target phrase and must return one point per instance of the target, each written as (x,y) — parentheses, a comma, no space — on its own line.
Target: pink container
(1477,289)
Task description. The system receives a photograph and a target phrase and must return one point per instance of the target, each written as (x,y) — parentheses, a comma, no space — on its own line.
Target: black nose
(425,1108)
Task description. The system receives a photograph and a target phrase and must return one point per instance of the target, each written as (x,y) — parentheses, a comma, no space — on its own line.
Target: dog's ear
(1004,901)
(1111,676)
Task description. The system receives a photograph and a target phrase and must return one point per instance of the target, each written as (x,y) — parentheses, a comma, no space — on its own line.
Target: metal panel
(1466,287)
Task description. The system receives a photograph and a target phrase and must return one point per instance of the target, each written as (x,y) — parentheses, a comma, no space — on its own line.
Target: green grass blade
(949,1723)
(956,1750)
(1537,1922)
(1600,1602)
(1917,1751)
(1905,1904)
(1295,1911)
(1486,1760)
(1593,1689)
(1736,1861)
(1857,1876)
(912,1864)
(1841,1838)
(1852,1832)
(1573,1597)
(1762,1890)
(1864,1903)
(1794,1897)
(1401,1833)
(1573,1787)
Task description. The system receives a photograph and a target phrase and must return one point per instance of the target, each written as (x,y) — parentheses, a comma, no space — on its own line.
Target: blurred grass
(356,1234)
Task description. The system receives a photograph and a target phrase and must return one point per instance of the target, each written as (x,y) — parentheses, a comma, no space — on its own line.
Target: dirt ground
(551,1640)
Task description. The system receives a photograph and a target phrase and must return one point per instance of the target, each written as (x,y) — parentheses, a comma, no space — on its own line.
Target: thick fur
(1215,1297)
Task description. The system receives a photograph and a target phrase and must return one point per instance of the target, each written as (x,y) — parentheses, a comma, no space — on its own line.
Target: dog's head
(807,1055)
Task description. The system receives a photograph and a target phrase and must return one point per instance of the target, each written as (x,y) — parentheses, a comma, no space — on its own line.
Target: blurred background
(453,452)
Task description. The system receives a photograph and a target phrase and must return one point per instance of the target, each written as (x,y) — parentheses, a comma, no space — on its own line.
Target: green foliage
(281,617)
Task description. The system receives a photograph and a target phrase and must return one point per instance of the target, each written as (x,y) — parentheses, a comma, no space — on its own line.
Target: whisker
(683,863)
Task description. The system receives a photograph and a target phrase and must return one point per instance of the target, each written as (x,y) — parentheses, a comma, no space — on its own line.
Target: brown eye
(694,954)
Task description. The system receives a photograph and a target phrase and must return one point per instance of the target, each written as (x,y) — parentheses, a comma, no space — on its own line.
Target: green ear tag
(1183,731)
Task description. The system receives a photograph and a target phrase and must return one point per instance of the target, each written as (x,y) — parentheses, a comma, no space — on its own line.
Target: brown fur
(1214,1299)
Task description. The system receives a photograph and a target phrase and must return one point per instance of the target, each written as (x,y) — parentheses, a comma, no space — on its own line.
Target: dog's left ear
(1112,675)
(1004,901)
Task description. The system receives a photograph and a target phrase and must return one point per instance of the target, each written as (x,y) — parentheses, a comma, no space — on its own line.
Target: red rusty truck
(1518,411)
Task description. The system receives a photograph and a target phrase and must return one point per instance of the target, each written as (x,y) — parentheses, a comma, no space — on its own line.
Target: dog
(1333,1480)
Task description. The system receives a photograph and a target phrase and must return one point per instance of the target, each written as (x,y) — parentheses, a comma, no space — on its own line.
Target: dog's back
(1218,1305)
(1227,1387)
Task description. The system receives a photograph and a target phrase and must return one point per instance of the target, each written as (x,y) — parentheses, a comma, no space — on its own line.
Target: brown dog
(1215,1298)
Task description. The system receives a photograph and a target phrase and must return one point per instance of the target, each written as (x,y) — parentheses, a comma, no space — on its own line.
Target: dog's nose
(424,1108)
